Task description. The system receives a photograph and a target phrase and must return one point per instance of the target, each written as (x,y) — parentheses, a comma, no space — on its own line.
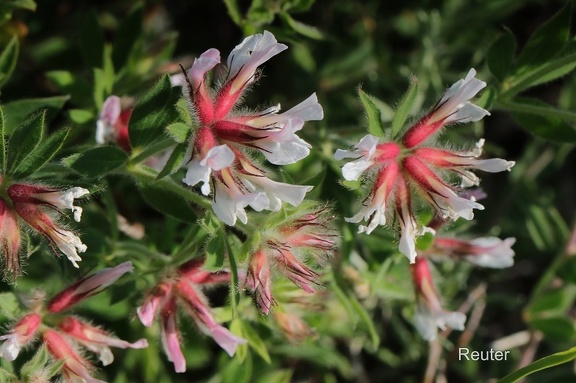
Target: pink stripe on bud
(88,286)
(9,240)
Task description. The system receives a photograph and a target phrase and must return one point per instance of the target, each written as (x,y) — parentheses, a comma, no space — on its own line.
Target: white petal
(111,110)
(352,170)
(453,319)
(367,144)
(219,157)
(467,112)
(10,348)
(203,64)
(252,52)
(341,154)
(494,165)
(292,194)
(462,207)
(198,173)
(284,146)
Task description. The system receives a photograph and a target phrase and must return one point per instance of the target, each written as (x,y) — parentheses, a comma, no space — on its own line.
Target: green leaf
(298,5)
(97,162)
(17,111)
(234,11)
(24,140)
(215,253)
(543,125)
(167,202)
(21,4)
(501,55)
(237,328)
(91,41)
(37,363)
(547,41)
(80,116)
(375,126)
(8,59)
(77,87)
(541,364)
(425,241)
(43,153)
(277,376)
(153,112)
(178,131)
(174,161)
(552,303)
(256,343)
(555,329)
(7,376)
(405,108)
(10,307)
(126,37)
(301,28)
(237,371)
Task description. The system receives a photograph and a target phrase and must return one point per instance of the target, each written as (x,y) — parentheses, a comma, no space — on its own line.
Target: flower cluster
(71,332)
(414,165)
(305,235)
(34,204)
(183,289)
(218,155)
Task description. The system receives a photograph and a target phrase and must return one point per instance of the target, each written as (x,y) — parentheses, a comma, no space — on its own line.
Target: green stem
(512,106)
(149,176)
(234,298)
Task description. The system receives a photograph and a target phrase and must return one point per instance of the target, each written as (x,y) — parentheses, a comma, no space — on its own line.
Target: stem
(234,298)
(149,176)
(512,106)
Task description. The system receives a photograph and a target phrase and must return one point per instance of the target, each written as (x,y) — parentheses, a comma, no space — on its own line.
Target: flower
(62,343)
(486,251)
(22,333)
(95,339)
(29,202)
(430,315)
(112,124)
(411,165)
(75,368)
(304,236)
(9,239)
(225,133)
(182,290)
(87,286)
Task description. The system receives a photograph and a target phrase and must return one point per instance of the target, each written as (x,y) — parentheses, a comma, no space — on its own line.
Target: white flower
(491,252)
(454,105)
(64,200)
(283,146)
(364,154)
(249,55)
(428,321)
(230,203)
(199,170)
(277,192)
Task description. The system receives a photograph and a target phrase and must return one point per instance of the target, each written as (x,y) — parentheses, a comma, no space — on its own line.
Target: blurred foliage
(65,57)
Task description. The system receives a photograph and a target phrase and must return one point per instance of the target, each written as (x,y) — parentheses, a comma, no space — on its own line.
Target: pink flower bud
(153,302)
(20,335)
(486,251)
(192,271)
(60,238)
(54,198)
(169,336)
(96,339)
(87,286)
(75,367)
(9,240)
